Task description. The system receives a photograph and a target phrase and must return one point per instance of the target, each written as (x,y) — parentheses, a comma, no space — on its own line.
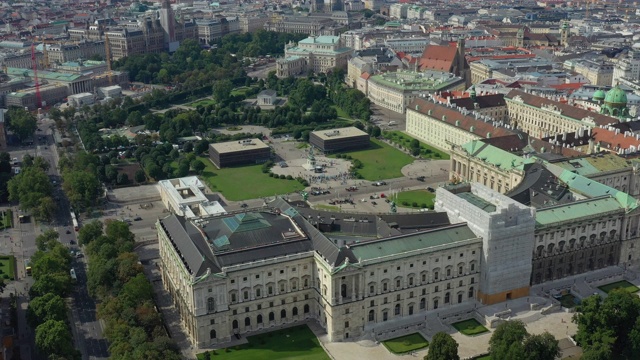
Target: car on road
(374,203)
(68,231)
(430,189)
(352,188)
(379,183)
(421,178)
(244,205)
(137,218)
(72,242)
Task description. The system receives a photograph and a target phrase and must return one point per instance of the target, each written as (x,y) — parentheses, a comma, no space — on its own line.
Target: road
(86,329)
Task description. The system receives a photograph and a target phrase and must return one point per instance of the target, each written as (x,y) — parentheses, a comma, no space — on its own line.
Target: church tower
(168,22)
(564,34)
(520,38)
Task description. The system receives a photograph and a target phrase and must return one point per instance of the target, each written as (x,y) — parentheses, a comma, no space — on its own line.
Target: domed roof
(599,94)
(616,96)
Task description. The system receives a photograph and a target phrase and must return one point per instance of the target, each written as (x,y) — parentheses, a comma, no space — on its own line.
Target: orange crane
(34,63)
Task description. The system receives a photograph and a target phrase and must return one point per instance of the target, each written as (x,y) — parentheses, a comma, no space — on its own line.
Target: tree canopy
(21,122)
(511,340)
(442,347)
(609,328)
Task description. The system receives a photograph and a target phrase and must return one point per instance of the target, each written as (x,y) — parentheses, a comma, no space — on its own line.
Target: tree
(40,162)
(46,307)
(442,347)
(512,341)
(609,326)
(53,337)
(201,146)
(28,187)
(543,346)
(21,122)
(222,90)
(139,176)
(198,166)
(506,341)
(123,179)
(89,232)
(188,147)
(47,240)
(82,188)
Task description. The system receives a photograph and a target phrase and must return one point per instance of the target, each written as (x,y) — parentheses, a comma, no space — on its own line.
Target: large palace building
(232,274)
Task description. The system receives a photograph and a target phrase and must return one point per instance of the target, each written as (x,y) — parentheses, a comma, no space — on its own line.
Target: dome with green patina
(616,96)
(598,95)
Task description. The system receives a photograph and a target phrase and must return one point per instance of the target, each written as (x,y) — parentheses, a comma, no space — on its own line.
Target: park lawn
(245,182)
(405,344)
(242,90)
(568,301)
(8,266)
(483,357)
(619,284)
(293,343)
(380,161)
(470,327)
(403,139)
(203,102)
(418,196)
(7,219)
(341,113)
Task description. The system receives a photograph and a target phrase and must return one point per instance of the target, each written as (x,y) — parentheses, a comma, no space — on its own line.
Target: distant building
(336,140)
(313,54)
(249,151)
(448,59)
(395,90)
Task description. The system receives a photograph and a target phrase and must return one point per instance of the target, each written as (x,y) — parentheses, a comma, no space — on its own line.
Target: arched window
(294,311)
(343,290)
(372,315)
(258,292)
(539,250)
(272,316)
(259,319)
(247,321)
(306,283)
(396,310)
(446,298)
(423,303)
(550,249)
(211,306)
(283,314)
(561,246)
(212,334)
(471,292)
(235,324)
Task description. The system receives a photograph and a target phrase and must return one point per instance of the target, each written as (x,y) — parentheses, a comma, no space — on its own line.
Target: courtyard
(415,199)
(619,284)
(405,344)
(470,327)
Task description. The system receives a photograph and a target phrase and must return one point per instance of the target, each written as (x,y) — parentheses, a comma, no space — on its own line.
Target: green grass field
(406,343)
(203,102)
(470,327)
(568,301)
(620,284)
(239,183)
(418,196)
(427,151)
(380,161)
(7,219)
(483,357)
(293,343)
(242,90)
(341,113)
(8,266)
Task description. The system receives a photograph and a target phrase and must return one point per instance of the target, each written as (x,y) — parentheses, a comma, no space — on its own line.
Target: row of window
(260,320)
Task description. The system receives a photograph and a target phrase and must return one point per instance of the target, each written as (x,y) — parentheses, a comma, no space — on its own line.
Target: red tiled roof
(610,140)
(438,57)
(365,75)
(566,109)
(457,119)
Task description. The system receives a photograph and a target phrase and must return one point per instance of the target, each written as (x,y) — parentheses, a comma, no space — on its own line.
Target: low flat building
(335,140)
(185,197)
(78,100)
(241,152)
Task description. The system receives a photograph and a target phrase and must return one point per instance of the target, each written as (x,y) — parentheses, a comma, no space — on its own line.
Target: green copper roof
(576,210)
(599,94)
(407,243)
(592,188)
(616,96)
(587,166)
(495,156)
(477,201)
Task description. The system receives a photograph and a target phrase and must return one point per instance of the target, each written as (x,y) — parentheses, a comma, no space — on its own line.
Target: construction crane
(107,55)
(34,63)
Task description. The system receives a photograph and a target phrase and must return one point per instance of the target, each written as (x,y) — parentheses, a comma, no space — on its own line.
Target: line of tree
(609,328)
(5,175)
(80,180)
(511,341)
(115,279)
(32,187)
(352,101)
(21,122)
(47,312)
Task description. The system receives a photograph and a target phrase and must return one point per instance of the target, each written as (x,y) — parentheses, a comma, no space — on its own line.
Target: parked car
(379,183)
(430,189)
(421,178)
